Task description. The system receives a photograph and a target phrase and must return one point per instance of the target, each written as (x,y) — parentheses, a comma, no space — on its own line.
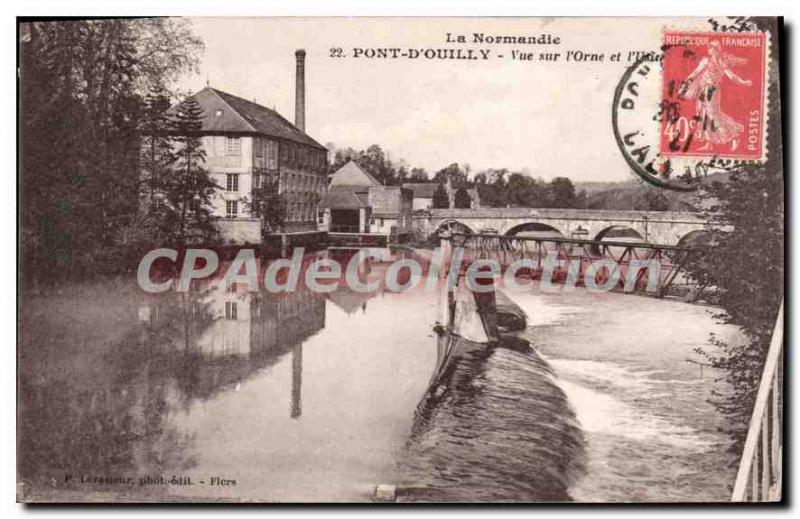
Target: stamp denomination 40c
(714,95)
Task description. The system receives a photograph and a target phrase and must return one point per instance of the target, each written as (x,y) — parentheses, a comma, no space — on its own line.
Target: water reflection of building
(371,269)
(108,407)
(230,334)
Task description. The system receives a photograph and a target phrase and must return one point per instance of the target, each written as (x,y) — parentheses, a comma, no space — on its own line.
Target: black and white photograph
(400,260)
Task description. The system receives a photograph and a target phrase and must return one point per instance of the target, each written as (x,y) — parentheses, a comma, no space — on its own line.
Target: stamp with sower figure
(700,108)
(714,91)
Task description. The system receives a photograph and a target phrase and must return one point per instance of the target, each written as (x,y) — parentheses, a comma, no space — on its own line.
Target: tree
(524,191)
(401,176)
(562,192)
(453,173)
(743,263)
(342,157)
(581,200)
(269,205)
(150,224)
(440,198)
(82,94)
(744,268)
(462,199)
(418,175)
(656,200)
(157,149)
(374,161)
(188,188)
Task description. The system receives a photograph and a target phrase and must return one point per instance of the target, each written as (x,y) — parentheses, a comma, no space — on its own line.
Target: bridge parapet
(662,227)
(555,213)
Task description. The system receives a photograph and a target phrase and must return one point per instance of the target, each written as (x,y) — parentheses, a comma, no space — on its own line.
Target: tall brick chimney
(300,91)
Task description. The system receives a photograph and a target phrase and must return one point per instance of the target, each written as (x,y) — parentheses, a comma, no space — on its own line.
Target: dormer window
(218,113)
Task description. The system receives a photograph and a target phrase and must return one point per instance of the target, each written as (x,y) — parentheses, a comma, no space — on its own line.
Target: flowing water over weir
(321,397)
(497,428)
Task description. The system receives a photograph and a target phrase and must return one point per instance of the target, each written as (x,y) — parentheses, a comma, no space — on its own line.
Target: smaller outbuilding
(357,203)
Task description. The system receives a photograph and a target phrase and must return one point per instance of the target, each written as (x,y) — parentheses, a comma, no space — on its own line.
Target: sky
(544,118)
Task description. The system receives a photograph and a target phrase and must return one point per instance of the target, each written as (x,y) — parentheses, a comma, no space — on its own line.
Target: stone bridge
(657,227)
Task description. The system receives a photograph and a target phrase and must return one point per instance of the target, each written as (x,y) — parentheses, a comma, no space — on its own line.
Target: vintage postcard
(400,260)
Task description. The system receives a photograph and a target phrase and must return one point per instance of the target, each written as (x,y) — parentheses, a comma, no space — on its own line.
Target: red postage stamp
(714,95)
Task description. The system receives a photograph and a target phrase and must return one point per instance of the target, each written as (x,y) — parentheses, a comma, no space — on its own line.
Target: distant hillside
(593,187)
(639,195)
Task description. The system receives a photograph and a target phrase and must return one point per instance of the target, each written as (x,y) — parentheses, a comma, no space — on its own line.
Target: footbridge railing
(760,477)
(571,258)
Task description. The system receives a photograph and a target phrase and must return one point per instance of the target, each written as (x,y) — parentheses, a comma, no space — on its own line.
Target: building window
(256,180)
(232,183)
(272,155)
(231,311)
(233,146)
(231,208)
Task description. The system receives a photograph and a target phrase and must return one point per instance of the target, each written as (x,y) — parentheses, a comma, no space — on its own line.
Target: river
(237,396)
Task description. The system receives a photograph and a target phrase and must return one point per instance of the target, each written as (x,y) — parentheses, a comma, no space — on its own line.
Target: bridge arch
(534,229)
(620,233)
(454,226)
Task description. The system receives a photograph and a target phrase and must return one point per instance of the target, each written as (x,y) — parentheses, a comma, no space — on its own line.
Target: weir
(476,339)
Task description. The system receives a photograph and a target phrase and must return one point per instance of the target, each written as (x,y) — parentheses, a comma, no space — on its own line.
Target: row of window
(266,153)
(296,212)
(303,156)
(294,183)
(300,212)
(299,183)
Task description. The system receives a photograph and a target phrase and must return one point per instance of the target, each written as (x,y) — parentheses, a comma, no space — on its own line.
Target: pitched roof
(344,197)
(350,301)
(224,112)
(351,174)
(422,190)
